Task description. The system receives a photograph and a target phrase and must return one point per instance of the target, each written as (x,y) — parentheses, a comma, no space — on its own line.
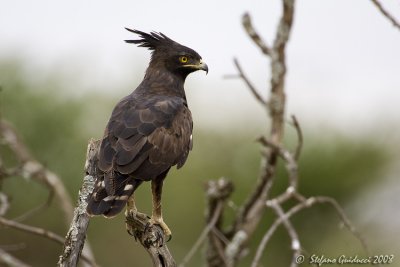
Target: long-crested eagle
(149,131)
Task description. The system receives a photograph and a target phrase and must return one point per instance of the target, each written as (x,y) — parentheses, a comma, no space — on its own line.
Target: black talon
(147,226)
(130,232)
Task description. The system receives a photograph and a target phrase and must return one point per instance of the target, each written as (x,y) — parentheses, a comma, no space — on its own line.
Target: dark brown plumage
(149,131)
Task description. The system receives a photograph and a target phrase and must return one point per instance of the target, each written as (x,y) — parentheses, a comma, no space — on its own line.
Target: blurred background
(64,65)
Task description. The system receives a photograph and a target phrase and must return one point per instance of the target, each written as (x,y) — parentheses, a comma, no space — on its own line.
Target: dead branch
(10,260)
(4,204)
(343,217)
(217,192)
(299,138)
(76,235)
(151,237)
(31,229)
(32,169)
(36,231)
(248,83)
(251,32)
(252,211)
(386,13)
(296,247)
(203,235)
(227,247)
(299,207)
(291,164)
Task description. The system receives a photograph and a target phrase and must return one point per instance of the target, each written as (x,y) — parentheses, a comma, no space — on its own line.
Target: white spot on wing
(122,198)
(109,198)
(128,187)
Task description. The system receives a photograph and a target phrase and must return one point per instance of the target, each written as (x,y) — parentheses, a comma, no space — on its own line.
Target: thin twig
(220,235)
(299,132)
(37,231)
(10,260)
(217,193)
(203,235)
(32,230)
(248,26)
(37,209)
(32,169)
(295,209)
(296,247)
(346,221)
(4,204)
(13,247)
(291,164)
(386,13)
(271,231)
(248,83)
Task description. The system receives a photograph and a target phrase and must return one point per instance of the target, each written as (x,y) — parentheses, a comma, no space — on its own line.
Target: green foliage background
(56,128)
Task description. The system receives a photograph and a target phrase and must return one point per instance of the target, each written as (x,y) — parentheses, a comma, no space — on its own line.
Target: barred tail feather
(109,205)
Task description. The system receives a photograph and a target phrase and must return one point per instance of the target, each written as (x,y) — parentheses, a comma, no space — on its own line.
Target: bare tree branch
(291,164)
(10,260)
(248,83)
(296,247)
(386,13)
(36,210)
(299,138)
(203,235)
(13,247)
(31,169)
(76,235)
(217,192)
(39,232)
(31,229)
(252,211)
(343,217)
(295,209)
(4,204)
(151,237)
(248,26)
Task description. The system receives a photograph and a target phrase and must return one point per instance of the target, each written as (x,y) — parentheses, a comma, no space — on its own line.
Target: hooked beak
(200,66)
(203,66)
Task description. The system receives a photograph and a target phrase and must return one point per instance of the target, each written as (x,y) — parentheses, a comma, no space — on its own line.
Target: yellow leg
(131,212)
(156,215)
(130,206)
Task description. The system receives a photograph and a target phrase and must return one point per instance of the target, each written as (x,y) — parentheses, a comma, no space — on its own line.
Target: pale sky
(343,56)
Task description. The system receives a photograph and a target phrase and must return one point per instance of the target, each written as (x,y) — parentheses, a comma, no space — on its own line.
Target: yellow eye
(183,59)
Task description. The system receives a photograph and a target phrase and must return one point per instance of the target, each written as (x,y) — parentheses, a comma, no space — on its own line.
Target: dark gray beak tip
(204,67)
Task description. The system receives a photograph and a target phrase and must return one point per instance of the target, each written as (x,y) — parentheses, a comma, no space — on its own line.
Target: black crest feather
(150,40)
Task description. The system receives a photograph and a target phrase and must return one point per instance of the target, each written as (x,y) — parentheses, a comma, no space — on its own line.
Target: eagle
(149,131)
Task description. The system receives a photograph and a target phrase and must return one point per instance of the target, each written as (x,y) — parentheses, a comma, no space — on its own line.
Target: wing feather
(144,138)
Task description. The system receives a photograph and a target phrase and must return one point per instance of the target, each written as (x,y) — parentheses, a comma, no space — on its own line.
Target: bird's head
(169,54)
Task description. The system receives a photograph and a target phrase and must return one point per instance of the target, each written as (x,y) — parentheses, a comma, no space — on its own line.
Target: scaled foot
(162,224)
(132,216)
